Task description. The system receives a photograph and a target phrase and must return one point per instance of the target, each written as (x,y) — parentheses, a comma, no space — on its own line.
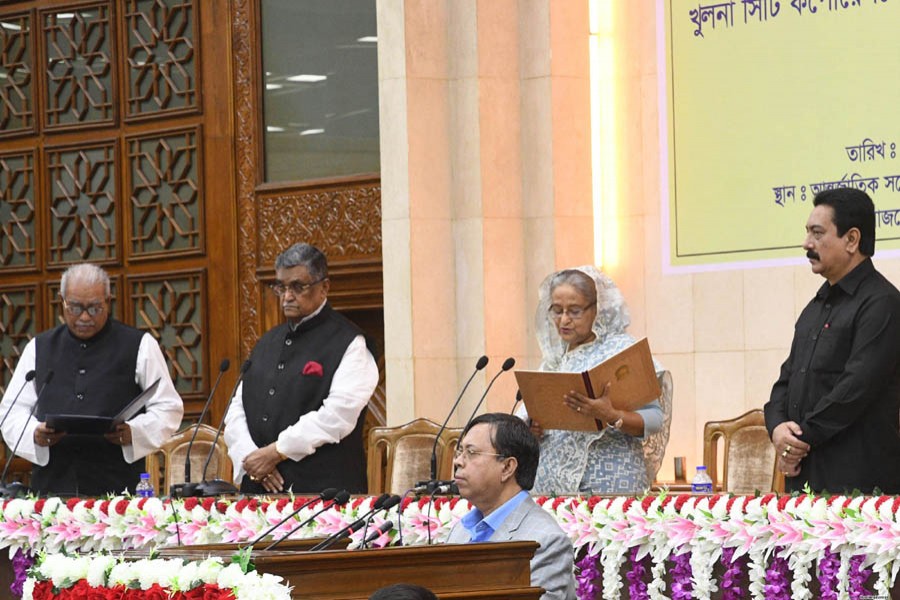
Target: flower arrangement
(767,546)
(107,577)
(777,544)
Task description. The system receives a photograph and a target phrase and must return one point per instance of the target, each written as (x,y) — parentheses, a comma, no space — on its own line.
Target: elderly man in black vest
(296,420)
(99,365)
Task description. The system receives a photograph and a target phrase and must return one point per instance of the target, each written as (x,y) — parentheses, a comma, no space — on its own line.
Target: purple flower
(733,577)
(588,572)
(682,588)
(636,586)
(21,562)
(777,587)
(858,578)
(828,570)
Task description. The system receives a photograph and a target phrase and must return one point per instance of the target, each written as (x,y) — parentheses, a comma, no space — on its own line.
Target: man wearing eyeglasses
(296,420)
(494,467)
(99,365)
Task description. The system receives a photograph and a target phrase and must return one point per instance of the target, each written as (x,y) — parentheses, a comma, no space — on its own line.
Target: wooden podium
(486,571)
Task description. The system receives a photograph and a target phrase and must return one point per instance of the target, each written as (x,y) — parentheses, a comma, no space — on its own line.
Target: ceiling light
(307,78)
(369,39)
(312,131)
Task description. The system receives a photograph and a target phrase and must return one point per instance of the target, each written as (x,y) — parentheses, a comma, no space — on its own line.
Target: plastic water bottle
(701,484)
(144,488)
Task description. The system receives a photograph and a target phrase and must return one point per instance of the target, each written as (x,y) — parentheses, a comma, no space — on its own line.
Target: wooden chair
(748,456)
(166,466)
(400,456)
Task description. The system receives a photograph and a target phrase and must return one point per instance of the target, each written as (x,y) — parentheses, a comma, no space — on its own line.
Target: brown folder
(631,376)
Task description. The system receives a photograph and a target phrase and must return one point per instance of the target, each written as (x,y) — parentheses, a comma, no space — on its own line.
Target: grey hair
(578,280)
(304,255)
(85,273)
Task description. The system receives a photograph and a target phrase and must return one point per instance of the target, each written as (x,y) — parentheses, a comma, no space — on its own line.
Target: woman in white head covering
(581,321)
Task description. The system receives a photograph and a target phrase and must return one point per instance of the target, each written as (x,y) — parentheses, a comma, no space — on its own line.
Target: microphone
(384,502)
(335,537)
(340,499)
(512,411)
(178,489)
(326,494)
(28,377)
(482,363)
(217,486)
(508,364)
(380,503)
(384,528)
(17,488)
(429,487)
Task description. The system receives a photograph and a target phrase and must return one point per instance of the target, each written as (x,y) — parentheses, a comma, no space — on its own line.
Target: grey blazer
(552,566)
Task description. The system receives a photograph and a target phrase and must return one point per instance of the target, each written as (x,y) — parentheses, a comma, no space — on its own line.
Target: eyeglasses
(471,453)
(296,287)
(75,309)
(574,312)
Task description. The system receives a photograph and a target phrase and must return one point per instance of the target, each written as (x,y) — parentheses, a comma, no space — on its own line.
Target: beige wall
(486,184)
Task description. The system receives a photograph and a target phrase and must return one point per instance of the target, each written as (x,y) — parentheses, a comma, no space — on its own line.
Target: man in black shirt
(834,413)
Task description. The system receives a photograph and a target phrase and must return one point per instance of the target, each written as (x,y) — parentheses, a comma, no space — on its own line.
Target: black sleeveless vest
(276,393)
(91,377)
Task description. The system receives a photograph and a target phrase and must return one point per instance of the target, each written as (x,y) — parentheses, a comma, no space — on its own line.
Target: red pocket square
(313,368)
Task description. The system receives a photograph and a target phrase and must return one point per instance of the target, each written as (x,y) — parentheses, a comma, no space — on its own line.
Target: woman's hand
(596,408)
(536,429)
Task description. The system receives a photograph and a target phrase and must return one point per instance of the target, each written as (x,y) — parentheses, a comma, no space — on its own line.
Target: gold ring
(578,408)
(788,448)
(784,454)
(252,478)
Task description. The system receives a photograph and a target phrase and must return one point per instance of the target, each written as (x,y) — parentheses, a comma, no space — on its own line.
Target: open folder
(98,425)
(631,376)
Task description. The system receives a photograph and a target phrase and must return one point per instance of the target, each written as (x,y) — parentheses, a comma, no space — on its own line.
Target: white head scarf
(612,314)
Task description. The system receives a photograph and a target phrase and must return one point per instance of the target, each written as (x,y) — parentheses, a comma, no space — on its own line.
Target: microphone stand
(481,364)
(17,488)
(339,500)
(387,504)
(184,489)
(218,487)
(326,495)
(508,364)
(28,377)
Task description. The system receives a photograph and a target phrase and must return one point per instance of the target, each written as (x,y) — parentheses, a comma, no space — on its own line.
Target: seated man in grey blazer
(495,465)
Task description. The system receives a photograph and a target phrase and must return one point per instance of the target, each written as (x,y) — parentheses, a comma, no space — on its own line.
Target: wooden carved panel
(18,238)
(161,56)
(344,222)
(79,48)
(170,307)
(82,184)
(165,194)
(16,58)
(18,324)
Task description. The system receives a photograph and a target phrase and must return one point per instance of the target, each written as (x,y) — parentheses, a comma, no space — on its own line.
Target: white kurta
(164,410)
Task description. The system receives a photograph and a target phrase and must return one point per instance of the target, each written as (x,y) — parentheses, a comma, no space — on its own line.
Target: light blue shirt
(481,528)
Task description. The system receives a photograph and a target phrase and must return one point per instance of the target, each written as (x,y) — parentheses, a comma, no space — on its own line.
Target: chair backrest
(748,456)
(400,456)
(166,465)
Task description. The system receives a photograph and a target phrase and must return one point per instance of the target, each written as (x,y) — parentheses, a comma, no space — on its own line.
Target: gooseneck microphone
(326,494)
(217,486)
(384,502)
(335,537)
(340,499)
(384,528)
(508,364)
(512,411)
(28,377)
(481,364)
(225,364)
(16,488)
